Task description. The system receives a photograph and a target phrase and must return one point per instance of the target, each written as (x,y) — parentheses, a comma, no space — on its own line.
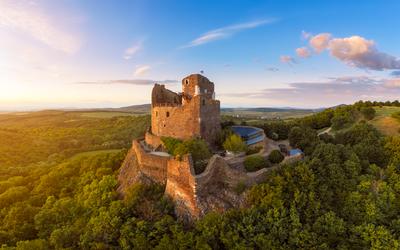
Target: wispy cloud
(33,22)
(133,50)
(303,52)
(141,70)
(129,81)
(287,59)
(226,32)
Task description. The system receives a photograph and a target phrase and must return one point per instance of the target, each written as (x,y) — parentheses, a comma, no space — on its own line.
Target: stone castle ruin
(194,113)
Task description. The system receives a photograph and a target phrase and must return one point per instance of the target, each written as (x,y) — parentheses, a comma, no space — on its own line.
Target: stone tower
(190,114)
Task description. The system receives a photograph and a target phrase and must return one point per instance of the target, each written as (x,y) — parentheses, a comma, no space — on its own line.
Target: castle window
(167,114)
(187,81)
(204,102)
(205,91)
(156,113)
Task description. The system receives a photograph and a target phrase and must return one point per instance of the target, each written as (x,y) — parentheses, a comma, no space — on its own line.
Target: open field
(105,114)
(383,121)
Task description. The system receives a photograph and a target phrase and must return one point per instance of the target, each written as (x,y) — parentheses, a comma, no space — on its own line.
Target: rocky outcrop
(193,195)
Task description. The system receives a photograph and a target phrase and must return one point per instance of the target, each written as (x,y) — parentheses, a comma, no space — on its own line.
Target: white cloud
(355,51)
(142,70)
(287,59)
(359,52)
(303,52)
(320,42)
(134,49)
(29,20)
(225,32)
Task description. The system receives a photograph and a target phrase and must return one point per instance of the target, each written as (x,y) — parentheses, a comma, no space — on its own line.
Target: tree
(255,162)
(199,151)
(235,144)
(275,156)
(368,112)
(304,138)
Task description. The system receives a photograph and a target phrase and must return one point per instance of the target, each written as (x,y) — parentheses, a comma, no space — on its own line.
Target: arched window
(187,81)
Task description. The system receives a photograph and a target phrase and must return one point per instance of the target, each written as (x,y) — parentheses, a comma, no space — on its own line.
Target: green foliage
(275,157)
(253,150)
(199,150)
(235,144)
(304,138)
(240,187)
(255,162)
(170,144)
(344,195)
(368,112)
(223,135)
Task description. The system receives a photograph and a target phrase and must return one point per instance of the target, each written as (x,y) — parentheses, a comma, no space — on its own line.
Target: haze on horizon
(305,54)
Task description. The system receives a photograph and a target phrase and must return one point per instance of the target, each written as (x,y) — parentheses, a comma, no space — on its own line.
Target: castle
(194,113)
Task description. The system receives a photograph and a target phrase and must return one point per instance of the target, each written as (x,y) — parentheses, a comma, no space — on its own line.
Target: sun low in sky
(73,53)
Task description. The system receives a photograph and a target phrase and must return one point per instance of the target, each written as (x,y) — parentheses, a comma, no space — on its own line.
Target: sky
(304,54)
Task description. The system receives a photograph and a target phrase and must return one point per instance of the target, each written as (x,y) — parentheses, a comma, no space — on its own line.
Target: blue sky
(73,53)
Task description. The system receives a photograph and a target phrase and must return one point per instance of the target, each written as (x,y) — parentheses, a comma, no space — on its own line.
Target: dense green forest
(58,188)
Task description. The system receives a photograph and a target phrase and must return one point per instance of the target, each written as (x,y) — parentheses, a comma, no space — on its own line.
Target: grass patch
(105,114)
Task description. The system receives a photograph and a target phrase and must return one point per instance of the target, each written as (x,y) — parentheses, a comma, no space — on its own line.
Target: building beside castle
(192,113)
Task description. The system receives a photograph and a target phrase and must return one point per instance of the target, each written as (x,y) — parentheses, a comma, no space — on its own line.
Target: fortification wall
(150,165)
(181,187)
(153,140)
(175,121)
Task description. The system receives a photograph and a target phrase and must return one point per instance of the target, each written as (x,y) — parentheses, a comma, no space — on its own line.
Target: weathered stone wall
(161,95)
(196,115)
(153,140)
(181,187)
(150,165)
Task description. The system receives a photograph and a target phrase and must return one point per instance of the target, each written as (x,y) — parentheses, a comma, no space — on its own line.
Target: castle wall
(150,165)
(198,118)
(181,187)
(153,140)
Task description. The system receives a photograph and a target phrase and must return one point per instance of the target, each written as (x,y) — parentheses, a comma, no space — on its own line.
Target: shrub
(368,112)
(235,144)
(253,150)
(199,150)
(170,144)
(222,136)
(255,162)
(275,156)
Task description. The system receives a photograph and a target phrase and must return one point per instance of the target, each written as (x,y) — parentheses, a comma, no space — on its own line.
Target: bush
(368,112)
(253,150)
(255,162)
(275,156)
(170,144)
(199,150)
(235,144)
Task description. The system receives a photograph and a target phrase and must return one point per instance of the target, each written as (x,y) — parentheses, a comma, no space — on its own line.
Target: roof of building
(295,151)
(250,135)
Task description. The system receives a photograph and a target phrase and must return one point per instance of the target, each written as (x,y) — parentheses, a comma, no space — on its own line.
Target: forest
(58,188)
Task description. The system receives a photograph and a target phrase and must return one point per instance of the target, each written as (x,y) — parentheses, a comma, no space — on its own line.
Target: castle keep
(192,113)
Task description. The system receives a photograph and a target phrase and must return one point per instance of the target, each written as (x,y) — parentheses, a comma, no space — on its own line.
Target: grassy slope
(384,122)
